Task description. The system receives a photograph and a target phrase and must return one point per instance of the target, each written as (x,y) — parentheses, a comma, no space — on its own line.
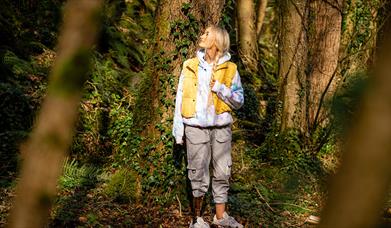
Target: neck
(210,54)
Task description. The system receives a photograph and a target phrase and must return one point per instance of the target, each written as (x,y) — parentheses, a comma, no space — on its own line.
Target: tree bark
(44,151)
(324,41)
(261,16)
(308,56)
(292,59)
(208,12)
(248,48)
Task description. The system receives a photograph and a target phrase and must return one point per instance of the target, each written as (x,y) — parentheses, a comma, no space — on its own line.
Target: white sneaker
(226,221)
(199,224)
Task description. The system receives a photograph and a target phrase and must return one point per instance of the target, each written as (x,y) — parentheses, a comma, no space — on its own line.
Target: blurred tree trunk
(292,59)
(359,188)
(248,48)
(308,56)
(45,150)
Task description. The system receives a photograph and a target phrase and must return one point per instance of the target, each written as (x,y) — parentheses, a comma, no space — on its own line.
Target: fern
(75,175)
(15,64)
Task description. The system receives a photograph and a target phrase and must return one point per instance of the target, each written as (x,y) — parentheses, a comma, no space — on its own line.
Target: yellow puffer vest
(223,74)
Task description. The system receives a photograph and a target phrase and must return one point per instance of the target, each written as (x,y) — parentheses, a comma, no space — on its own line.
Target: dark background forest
(305,65)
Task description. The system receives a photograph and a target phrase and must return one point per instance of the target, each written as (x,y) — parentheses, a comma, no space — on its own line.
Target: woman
(209,88)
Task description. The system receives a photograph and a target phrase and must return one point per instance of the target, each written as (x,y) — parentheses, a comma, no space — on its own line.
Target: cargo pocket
(196,135)
(224,134)
(195,171)
(196,142)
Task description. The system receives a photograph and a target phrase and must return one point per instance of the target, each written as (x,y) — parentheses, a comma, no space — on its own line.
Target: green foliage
(18,66)
(23,23)
(75,175)
(362,20)
(288,150)
(105,109)
(346,103)
(185,31)
(123,186)
(21,86)
(227,18)
(250,109)
(126,31)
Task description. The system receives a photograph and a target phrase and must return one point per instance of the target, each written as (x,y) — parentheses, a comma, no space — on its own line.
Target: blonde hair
(221,41)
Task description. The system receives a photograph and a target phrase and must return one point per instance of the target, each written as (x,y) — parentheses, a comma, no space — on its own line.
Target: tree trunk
(347,36)
(308,55)
(248,48)
(179,24)
(45,150)
(359,37)
(292,59)
(261,16)
(167,52)
(208,12)
(324,40)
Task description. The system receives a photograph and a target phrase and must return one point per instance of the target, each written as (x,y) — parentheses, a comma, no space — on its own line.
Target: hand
(179,141)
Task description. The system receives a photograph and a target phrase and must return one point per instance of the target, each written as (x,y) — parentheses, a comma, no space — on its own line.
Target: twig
(180,205)
(264,200)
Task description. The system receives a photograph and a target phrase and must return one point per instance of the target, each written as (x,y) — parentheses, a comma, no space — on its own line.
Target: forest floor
(261,195)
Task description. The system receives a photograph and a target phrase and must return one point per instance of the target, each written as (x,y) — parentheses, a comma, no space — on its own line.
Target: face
(207,40)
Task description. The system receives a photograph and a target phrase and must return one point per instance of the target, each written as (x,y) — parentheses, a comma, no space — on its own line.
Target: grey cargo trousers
(204,144)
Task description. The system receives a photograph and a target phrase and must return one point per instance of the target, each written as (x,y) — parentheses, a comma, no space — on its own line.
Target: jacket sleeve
(232,96)
(178,127)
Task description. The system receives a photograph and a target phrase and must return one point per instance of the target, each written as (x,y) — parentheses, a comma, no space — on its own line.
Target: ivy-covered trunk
(178,27)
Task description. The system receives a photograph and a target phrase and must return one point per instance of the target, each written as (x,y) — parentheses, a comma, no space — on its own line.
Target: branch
(264,200)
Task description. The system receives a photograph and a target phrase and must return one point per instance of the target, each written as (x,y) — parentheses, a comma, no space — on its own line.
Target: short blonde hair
(221,40)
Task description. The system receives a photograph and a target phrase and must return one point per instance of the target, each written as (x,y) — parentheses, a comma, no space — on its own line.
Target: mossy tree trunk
(44,152)
(179,23)
(361,24)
